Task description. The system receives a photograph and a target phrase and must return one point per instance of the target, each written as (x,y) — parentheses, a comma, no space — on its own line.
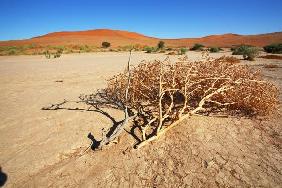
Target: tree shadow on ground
(96,103)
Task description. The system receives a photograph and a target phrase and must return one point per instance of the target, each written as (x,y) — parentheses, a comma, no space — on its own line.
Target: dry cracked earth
(200,152)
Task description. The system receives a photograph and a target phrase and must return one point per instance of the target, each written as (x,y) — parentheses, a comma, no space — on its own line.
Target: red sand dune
(123,38)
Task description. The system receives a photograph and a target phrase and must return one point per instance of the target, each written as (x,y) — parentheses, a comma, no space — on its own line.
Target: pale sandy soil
(46,148)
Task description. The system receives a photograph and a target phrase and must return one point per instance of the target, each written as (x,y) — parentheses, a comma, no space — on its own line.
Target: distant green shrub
(273,48)
(197,47)
(161,45)
(214,49)
(149,49)
(183,51)
(106,44)
(239,50)
(248,52)
(251,53)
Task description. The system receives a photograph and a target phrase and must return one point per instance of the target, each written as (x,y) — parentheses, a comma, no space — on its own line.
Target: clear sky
(21,19)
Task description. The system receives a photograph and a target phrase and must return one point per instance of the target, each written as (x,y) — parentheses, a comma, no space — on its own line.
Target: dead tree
(165,93)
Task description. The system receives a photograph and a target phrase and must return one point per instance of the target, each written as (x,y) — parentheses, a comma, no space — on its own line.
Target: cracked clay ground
(47,148)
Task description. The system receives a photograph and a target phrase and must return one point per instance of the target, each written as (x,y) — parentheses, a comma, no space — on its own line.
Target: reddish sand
(123,38)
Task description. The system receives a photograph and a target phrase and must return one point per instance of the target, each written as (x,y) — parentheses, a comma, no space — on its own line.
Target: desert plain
(50,148)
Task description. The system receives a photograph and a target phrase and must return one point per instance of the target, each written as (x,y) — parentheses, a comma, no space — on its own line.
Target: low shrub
(214,49)
(49,54)
(273,48)
(58,53)
(149,49)
(239,50)
(248,52)
(251,53)
(182,51)
(197,47)
(161,45)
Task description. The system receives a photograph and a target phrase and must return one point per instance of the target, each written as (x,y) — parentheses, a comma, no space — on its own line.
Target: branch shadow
(3,177)
(95,103)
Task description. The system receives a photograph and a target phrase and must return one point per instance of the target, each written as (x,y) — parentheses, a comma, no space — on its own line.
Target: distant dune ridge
(124,38)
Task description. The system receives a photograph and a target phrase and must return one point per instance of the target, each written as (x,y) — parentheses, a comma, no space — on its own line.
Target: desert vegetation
(248,52)
(16,50)
(55,54)
(159,48)
(197,47)
(182,51)
(42,50)
(161,45)
(214,49)
(163,93)
(273,48)
(67,49)
(106,44)
(149,49)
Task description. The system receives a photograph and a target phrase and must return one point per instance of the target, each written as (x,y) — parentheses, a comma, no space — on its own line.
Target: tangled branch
(165,92)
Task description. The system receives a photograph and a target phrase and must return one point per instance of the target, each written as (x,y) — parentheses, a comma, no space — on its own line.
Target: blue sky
(21,19)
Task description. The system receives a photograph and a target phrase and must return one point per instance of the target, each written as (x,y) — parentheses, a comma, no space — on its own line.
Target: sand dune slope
(123,38)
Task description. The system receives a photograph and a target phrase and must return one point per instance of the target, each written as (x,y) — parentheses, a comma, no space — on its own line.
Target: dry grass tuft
(165,92)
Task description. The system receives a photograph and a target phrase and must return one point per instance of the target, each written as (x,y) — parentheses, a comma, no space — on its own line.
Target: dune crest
(123,38)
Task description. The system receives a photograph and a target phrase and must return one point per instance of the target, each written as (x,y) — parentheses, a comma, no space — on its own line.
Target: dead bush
(165,92)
